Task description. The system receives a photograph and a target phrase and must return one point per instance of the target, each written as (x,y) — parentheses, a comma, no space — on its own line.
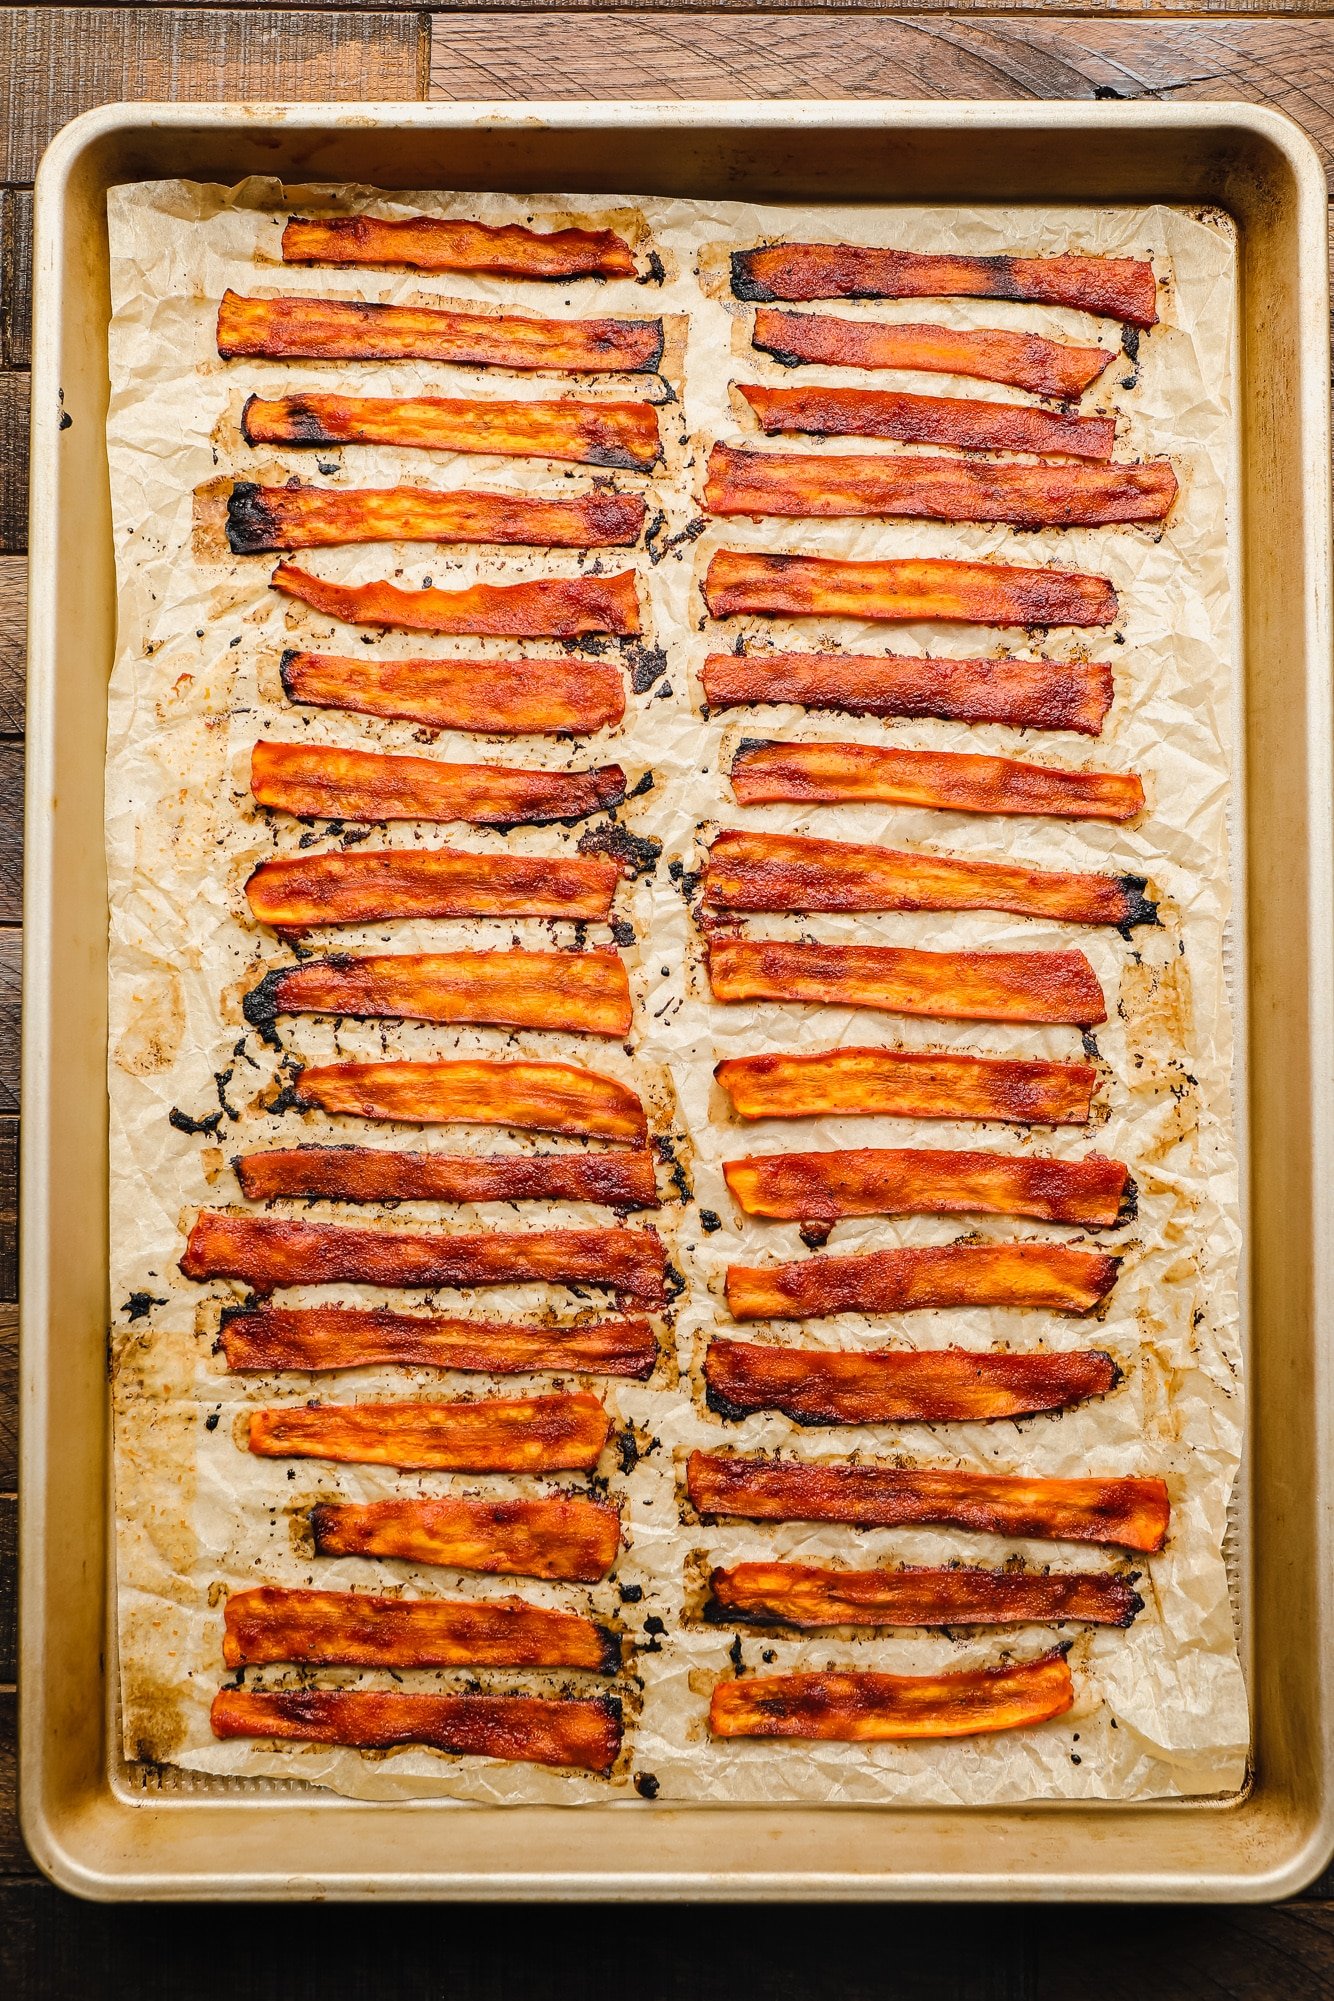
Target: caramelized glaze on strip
(1027,694)
(1120,288)
(547,608)
(351,330)
(738,584)
(261,519)
(433,243)
(1056,1278)
(950,781)
(531,1097)
(318,1339)
(808,1596)
(617,1179)
(964,421)
(582,993)
(495,697)
(899,1386)
(518,1729)
(1024,360)
(931,1181)
(951,986)
(295,892)
(614,435)
(559,1536)
(549,1434)
(908,1084)
(267,1624)
(873,1708)
(319,781)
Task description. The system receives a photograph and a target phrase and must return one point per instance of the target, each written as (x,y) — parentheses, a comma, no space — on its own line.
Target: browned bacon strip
(949,780)
(908,1084)
(560,1536)
(351,330)
(583,993)
(323,1338)
(755,871)
(873,1708)
(616,1180)
(263,518)
(1027,694)
(738,584)
(931,1181)
(812,485)
(294,892)
(1056,1277)
(271,1251)
(431,243)
(358,1629)
(1024,360)
(1132,1513)
(801,1594)
(551,1434)
(1121,288)
(498,697)
(898,1386)
(324,782)
(548,608)
(620,435)
(519,1729)
(952,986)
(965,421)
(533,1097)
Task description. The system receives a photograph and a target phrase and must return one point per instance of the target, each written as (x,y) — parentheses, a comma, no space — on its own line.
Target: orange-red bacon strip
(532,1097)
(801,1594)
(1027,694)
(908,1084)
(874,1708)
(1024,360)
(898,1386)
(495,697)
(949,781)
(356,1629)
(324,782)
(930,1181)
(518,1729)
(741,585)
(433,243)
(318,1339)
(1058,1278)
(294,892)
(548,608)
(1128,1512)
(615,1179)
(551,1434)
(951,986)
(271,1251)
(351,330)
(559,1536)
(812,485)
(619,435)
(1120,288)
(263,518)
(583,993)
(965,421)
(755,871)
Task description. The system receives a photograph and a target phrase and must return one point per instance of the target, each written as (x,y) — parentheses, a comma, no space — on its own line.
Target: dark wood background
(57,61)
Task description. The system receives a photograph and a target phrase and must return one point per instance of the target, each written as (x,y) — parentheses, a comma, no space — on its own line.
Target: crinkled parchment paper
(1161,1709)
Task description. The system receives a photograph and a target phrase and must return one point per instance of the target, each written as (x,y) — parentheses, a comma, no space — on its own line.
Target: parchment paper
(1161,1709)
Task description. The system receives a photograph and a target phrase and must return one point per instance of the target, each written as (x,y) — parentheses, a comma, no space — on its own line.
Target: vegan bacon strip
(908,1084)
(547,608)
(583,993)
(965,421)
(863,1707)
(534,1097)
(620,435)
(322,1338)
(616,1179)
(827,1386)
(351,330)
(1024,360)
(800,1594)
(357,1629)
(756,871)
(949,781)
(952,986)
(1027,694)
(562,1536)
(1120,288)
(930,1181)
(498,697)
(1129,1512)
(551,1434)
(320,781)
(738,584)
(519,1729)
(294,892)
(264,518)
(1056,1277)
(431,243)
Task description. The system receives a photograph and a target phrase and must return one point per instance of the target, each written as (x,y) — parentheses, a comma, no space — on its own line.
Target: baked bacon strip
(263,518)
(320,781)
(930,1181)
(898,1386)
(757,871)
(322,1338)
(1128,1512)
(949,781)
(951,986)
(619,435)
(738,584)
(531,1097)
(861,1707)
(583,993)
(1120,288)
(357,1629)
(1058,1278)
(294,892)
(352,330)
(519,1729)
(1024,360)
(806,486)
(548,1434)
(271,1251)
(908,1084)
(547,608)
(498,697)
(615,1179)
(964,421)
(1027,694)
(806,1595)
(561,1536)
(432,243)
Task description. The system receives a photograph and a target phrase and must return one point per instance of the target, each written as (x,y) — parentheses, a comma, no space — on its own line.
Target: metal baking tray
(103,1829)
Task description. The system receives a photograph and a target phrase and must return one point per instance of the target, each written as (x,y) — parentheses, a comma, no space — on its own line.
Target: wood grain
(15,277)
(11,969)
(9,1566)
(13,459)
(9,1400)
(13,642)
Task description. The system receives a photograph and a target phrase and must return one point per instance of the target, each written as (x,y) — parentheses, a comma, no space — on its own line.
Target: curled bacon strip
(548,608)
(351,330)
(1132,1513)
(357,1629)
(873,1708)
(615,1180)
(965,421)
(432,243)
(533,1097)
(322,1338)
(550,1434)
(1026,361)
(583,993)
(562,1536)
(1027,694)
(264,518)
(1121,288)
(738,584)
(499,697)
(898,1386)
(952,986)
(1056,1277)
(519,1729)
(949,781)
(801,1594)
(931,1181)
(324,782)
(294,892)
(908,1084)
(621,435)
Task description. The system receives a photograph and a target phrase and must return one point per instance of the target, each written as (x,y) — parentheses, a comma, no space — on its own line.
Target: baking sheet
(1161,1709)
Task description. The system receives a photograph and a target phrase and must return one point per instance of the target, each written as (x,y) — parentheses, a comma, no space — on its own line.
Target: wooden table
(57,61)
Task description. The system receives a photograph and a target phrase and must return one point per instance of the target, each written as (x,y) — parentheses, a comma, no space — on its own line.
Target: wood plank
(9,1590)
(9,1405)
(11,834)
(1140,8)
(13,642)
(16,277)
(9,1290)
(11,979)
(14,1857)
(13,458)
